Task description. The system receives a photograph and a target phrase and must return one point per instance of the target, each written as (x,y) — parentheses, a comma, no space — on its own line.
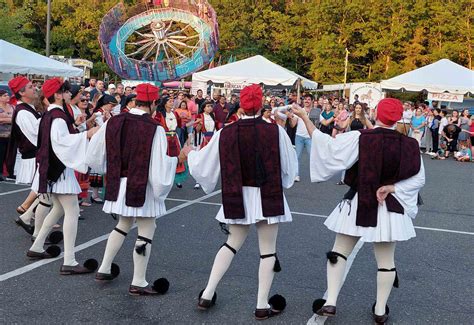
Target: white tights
(67,205)
(267,235)
(42,210)
(146,228)
(384,254)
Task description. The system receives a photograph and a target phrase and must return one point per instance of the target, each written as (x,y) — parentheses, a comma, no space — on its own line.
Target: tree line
(310,37)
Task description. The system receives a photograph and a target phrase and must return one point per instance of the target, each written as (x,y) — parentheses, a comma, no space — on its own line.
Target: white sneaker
(297,179)
(197,186)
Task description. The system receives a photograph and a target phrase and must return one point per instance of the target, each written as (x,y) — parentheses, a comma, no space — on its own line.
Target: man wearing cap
(131,149)
(255,161)
(110,90)
(385,173)
(24,138)
(61,150)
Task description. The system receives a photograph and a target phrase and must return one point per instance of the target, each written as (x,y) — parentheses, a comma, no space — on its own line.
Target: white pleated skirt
(25,171)
(390,227)
(66,184)
(152,208)
(253,210)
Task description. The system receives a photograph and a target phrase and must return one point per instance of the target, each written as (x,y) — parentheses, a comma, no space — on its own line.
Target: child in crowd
(440,154)
(464,154)
(340,124)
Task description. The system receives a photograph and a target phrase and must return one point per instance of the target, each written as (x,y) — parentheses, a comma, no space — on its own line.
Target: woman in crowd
(464,124)
(358,120)
(428,136)
(327,119)
(102,112)
(186,123)
(417,126)
(454,119)
(83,179)
(6,112)
(170,121)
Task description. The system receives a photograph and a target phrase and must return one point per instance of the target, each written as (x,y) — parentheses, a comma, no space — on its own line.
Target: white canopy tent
(15,59)
(438,77)
(253,70)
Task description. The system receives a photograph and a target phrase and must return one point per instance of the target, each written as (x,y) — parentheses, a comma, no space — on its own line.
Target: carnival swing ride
(160,40)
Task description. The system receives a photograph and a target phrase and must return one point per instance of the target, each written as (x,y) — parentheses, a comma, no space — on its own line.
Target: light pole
(48,27)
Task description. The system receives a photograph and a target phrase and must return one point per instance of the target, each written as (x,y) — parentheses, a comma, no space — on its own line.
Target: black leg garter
(395,282)
(276,267)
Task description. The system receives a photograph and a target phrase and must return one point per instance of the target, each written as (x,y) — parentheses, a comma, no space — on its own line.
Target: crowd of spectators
(439,132)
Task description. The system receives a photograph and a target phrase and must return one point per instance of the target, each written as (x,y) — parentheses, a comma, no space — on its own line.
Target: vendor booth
(234,76)
(15,59)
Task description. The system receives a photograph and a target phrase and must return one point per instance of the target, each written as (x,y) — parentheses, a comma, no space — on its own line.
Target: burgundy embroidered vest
(129,140)
(18,141)
(385,157)
(50,168)
(245,147)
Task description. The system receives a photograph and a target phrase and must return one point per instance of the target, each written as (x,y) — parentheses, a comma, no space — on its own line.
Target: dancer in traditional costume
(267,114)
(24,138)
(205,125)
(171,122)
(128,103)
(61,150)
(255,161)
(204,128)
(131,149)
(385,173)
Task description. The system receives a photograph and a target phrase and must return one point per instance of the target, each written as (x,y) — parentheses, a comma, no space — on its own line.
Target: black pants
(3,152)
(453,145)
(435,136)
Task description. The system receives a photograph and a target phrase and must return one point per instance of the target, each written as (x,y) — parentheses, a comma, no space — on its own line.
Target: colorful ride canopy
(159,40)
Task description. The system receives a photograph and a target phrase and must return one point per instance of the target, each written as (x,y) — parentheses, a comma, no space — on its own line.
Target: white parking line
(91,242)
(15,191)
(320,320)
(323,216)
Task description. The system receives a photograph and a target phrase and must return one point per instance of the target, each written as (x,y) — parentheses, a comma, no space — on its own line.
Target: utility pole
(48,27)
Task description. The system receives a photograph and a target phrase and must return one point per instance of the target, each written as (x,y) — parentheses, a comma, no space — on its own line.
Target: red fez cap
(51,87)
(389,111)
(17,83)
(147,93)
(251,98)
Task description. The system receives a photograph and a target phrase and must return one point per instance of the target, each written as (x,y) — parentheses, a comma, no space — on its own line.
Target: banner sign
(446,97)
(367,92)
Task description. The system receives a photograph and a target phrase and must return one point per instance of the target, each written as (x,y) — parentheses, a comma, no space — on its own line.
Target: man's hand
(383,192)
(91,132)
(183,155)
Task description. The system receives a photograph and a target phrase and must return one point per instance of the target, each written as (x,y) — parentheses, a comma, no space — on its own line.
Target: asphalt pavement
(435,268)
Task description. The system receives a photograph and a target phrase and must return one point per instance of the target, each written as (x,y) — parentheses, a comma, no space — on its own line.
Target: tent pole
(298,90)
(48,28)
